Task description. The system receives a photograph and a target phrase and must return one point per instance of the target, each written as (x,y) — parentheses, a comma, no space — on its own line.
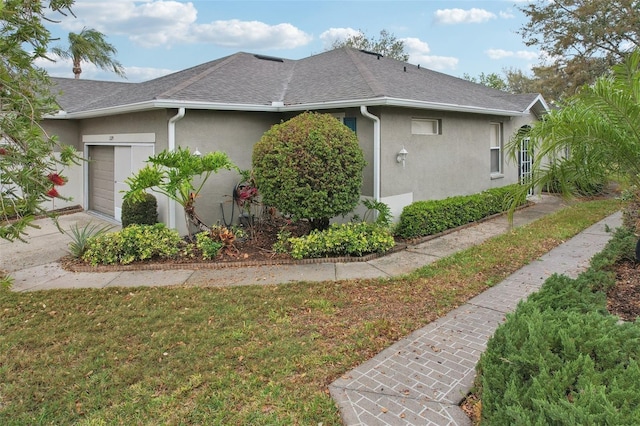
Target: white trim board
(116,138)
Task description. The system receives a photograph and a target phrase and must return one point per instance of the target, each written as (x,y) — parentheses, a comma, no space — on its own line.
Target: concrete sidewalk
(34,266)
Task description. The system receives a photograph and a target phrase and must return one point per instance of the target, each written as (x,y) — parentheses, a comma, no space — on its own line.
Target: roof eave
(279,107)
(163,104)
(538,106)
(406,103)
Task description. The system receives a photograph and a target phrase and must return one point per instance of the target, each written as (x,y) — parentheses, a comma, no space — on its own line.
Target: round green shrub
(140,212)
(309,167)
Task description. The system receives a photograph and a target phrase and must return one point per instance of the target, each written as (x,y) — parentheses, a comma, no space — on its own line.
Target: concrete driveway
(45,244)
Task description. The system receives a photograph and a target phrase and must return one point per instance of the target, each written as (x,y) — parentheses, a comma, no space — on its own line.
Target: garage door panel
(101,176)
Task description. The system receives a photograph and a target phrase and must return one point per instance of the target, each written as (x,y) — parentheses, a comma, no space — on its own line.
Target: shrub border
(159,266)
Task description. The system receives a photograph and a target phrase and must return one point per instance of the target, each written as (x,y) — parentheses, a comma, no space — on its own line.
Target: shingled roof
(338,78)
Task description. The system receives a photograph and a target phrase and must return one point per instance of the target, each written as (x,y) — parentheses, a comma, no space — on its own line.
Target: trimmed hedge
(347,239)
(561,358)
(133,243)
(423,218)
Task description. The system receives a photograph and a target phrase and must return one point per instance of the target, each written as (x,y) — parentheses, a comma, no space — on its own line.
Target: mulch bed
(623,300)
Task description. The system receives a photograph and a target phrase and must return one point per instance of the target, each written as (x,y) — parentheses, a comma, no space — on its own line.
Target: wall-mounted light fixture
(197,153)
(401,157)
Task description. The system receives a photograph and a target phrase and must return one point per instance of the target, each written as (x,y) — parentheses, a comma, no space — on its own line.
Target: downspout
(376,151)
(172,146)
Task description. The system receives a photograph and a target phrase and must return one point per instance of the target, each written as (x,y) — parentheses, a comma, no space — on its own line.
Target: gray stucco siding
(456,162)
(140,122)
(234,133)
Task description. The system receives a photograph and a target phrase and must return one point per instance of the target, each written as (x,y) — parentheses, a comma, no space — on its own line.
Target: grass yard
(260,355)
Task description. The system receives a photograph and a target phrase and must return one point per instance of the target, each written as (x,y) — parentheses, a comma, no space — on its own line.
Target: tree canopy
(29,169)
(583,38)
(386,45)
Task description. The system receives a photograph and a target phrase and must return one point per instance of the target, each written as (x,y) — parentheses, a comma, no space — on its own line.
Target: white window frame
(496,144)
(421,126)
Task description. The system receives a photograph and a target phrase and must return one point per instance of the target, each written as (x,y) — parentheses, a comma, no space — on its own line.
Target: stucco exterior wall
(141,122)
(234,133)
(67,131)
(455,162)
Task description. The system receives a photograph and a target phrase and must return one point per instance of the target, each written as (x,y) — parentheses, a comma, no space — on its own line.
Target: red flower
(3,151)
(56,179)
(247,192)
(53,193)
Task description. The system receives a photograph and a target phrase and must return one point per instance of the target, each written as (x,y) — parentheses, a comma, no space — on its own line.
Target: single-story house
(452,130)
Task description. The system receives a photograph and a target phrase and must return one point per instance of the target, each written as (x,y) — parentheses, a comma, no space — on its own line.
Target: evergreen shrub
(561,367)
(309,167)
(422,218)
(347,239)
(210,248)
(133,243)
(561,358)
(143,211)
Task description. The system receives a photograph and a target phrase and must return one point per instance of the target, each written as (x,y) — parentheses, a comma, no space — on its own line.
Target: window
(426,126)
(350,122)
(496,148)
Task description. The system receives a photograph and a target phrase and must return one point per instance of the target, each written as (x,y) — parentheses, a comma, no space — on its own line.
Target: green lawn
(260,355)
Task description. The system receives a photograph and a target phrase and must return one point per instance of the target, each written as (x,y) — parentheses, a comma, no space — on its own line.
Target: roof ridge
(287,81)
(175,89)
(365,72)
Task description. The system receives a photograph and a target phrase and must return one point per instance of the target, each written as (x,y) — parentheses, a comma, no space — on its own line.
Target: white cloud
(59,67)
(506,14)
(152,23)
(461,16)
(418,52)
(333,35)
(520,54)
(137,74)
(249,34)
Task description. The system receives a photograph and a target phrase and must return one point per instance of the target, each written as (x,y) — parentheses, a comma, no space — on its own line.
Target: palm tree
(90,46)
(595,135)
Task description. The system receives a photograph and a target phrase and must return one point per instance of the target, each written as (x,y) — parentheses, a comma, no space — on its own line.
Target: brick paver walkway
(422,379)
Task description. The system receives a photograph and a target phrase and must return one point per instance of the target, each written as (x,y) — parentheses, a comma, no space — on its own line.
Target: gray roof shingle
(337,76)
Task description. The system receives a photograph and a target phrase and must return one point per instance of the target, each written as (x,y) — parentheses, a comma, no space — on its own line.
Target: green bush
(209,247)
(562,367)
(80,237)
(309,167)
(423,218)
(348,239)
(133,243)
(560,358)
(142,211)
(581,179)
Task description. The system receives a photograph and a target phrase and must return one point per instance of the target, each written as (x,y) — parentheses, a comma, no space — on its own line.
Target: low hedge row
(347,239)
(560,358)
(423,218)
(131,244)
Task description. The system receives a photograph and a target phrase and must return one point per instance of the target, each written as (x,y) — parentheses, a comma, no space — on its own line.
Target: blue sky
(156,37)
